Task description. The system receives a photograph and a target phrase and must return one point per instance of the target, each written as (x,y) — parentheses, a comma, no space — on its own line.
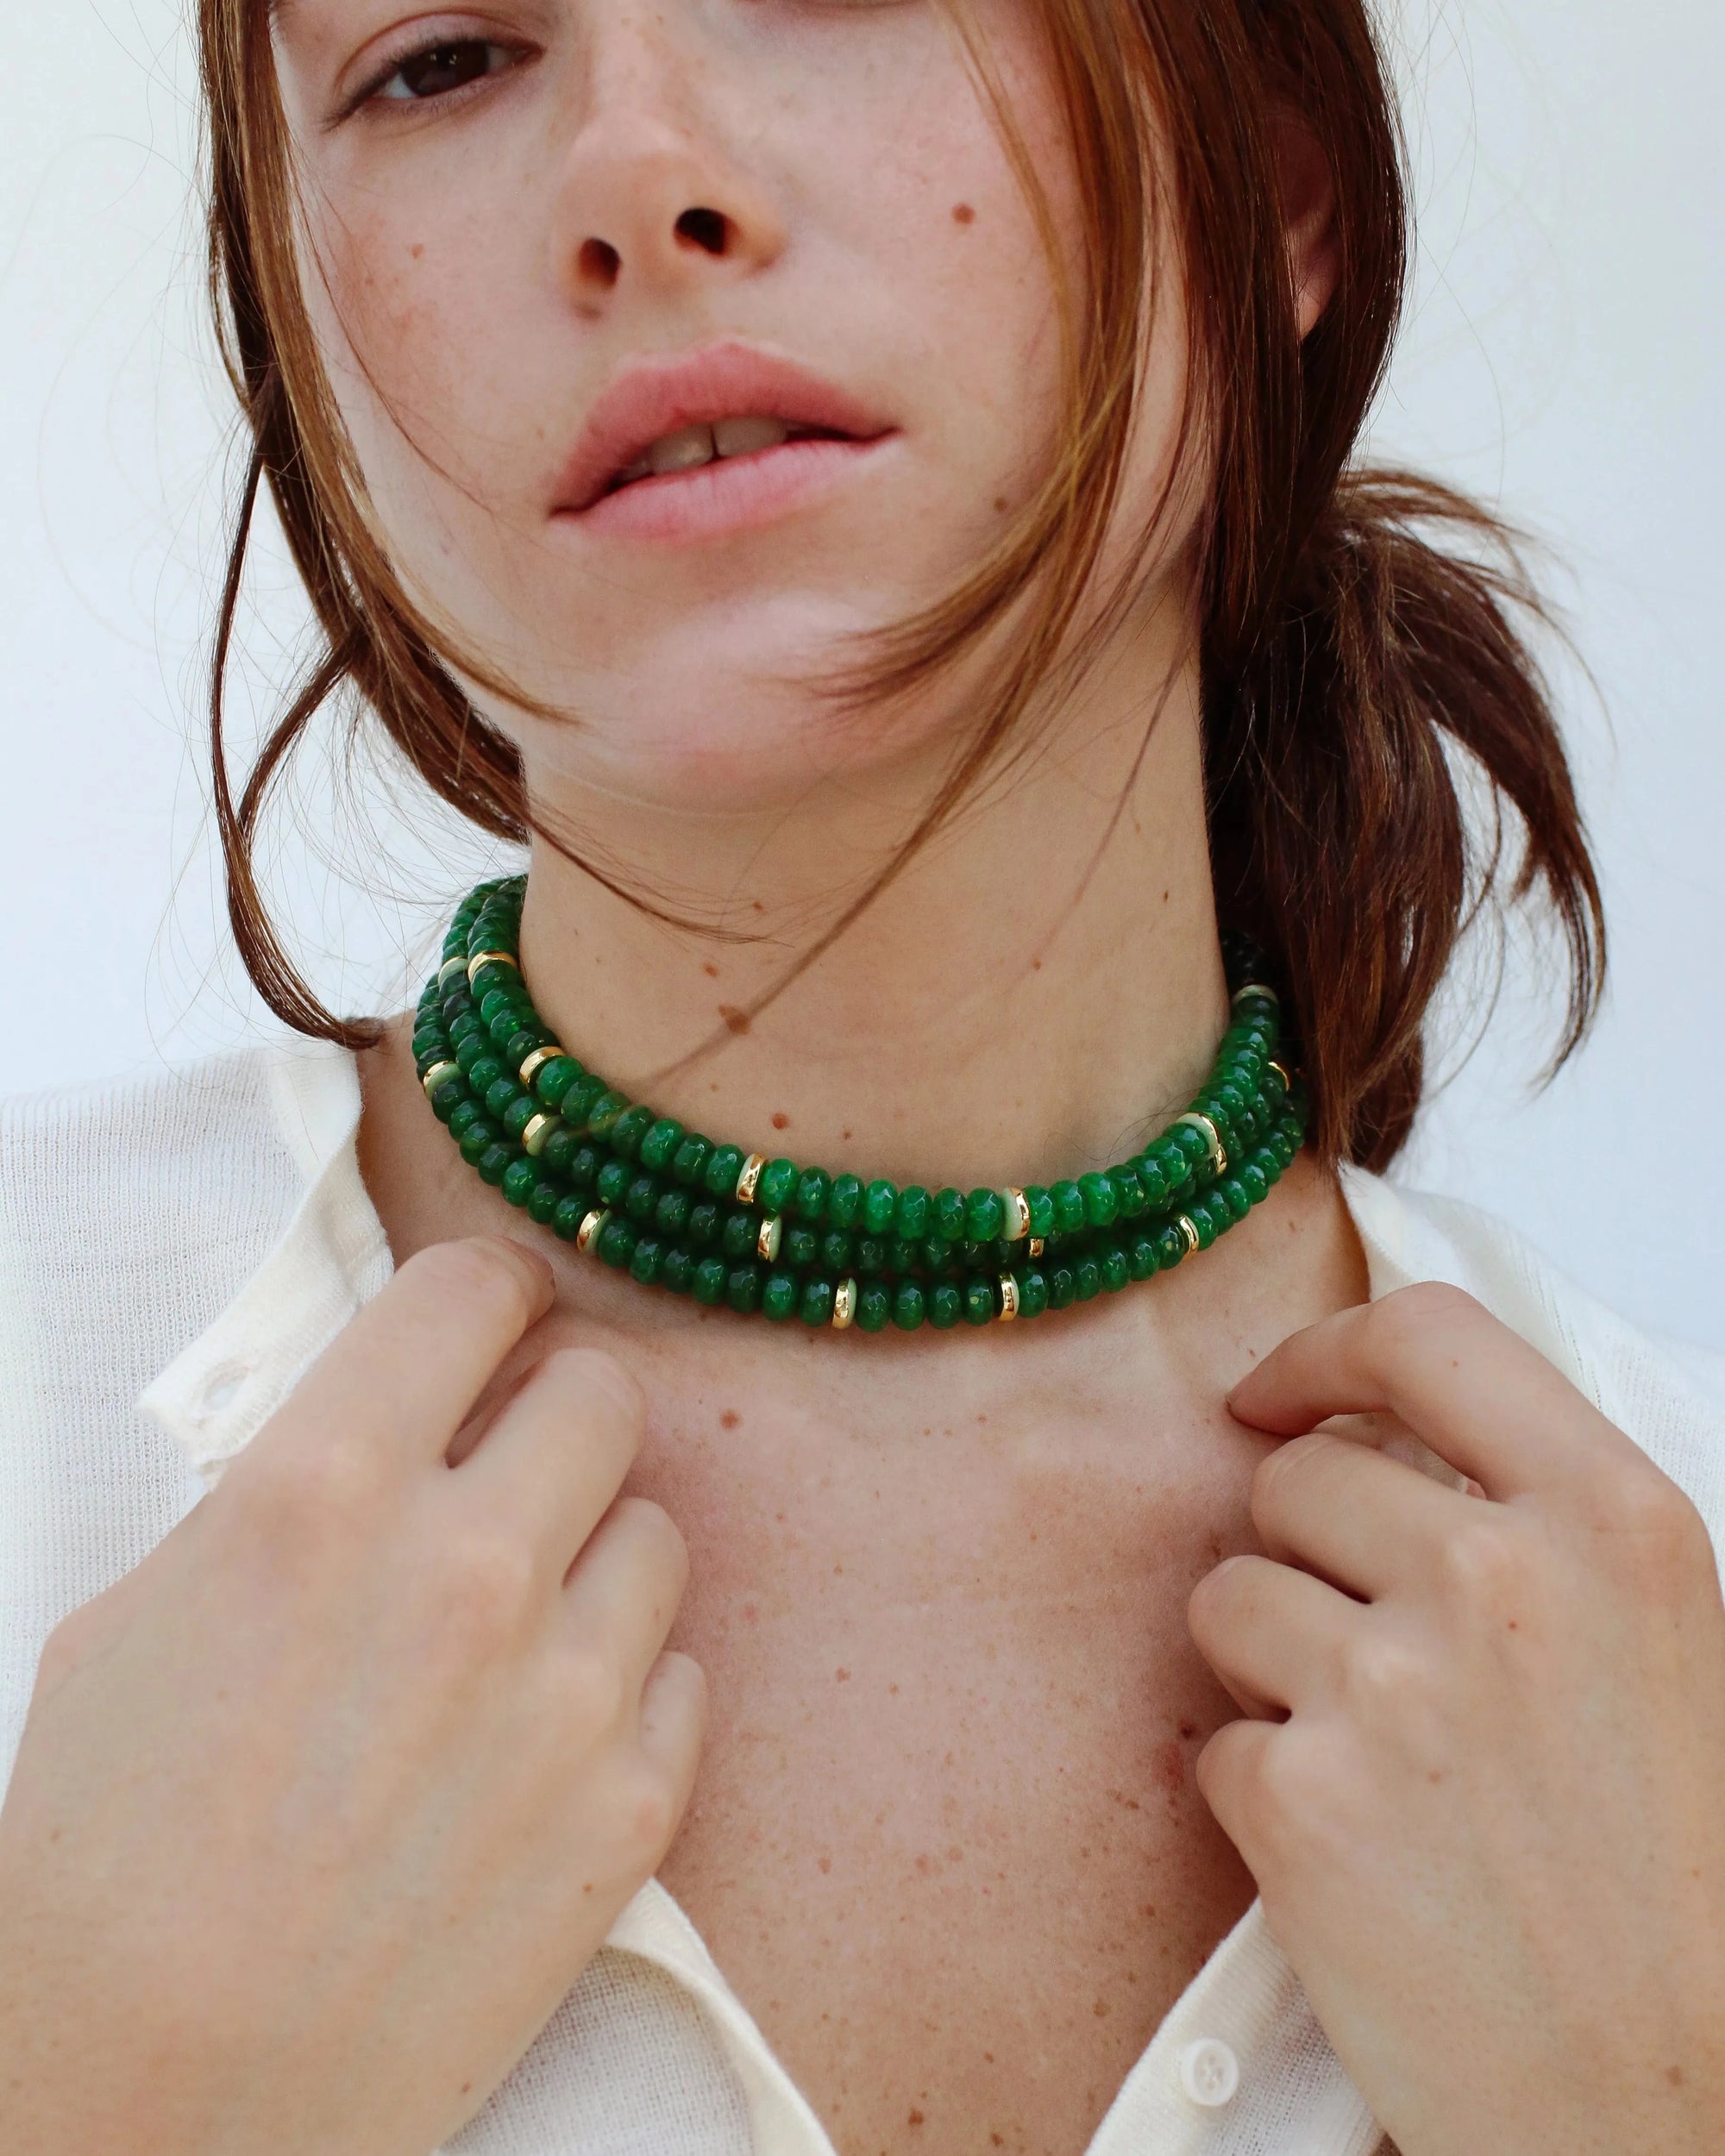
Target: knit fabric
(175,1250)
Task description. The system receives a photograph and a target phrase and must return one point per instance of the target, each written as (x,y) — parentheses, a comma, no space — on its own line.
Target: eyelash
(373,92)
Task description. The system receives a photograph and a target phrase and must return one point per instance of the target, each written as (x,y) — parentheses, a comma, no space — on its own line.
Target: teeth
(738,437)
(682,451)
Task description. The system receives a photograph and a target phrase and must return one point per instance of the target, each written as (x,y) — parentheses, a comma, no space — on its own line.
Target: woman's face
(559,241)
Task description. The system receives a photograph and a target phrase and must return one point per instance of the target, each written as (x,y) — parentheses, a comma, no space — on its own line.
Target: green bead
(1041,1207)
(1087,1278)
(519,1180)
(909,1306)
(613,1180)
(493,1164)
(659,1144)
(519,1113)
(948,1209)
(478,1136)
(1205,1221)
(779,1297)
(616,1243)
(584,1159)
(519,1046)
(880,1206)
(688,1162)
(1102,1207)
(450,1097)
(500,1096)
(552,1081)
(979,1302)
(902,1254)
(543,1199)
(836,1252)
(911,1217)
(985,1215)
(640,1198)
(625,1135)
(814,1187)
(945,1305)
(871,1254)
(799,1246)
(647,1260)
(566,1221)
(742,1289)
(1130,1201)
(678,1270)
(582,1098)
(1062,1289)
(1070,1216)
(1115,1267)
(708,1284)
(706,1219)
(777,1186)
(602,1117)
(724,1166)
(1254,1182)
(485,1075)
(1232,1191)
(463,1117)
(1032,1286)
(671,1214)
(844,1205)
(1141,1256)
(815,1307)
(874,1306)
(739,1236)
(1170,1248)
(1153,1180)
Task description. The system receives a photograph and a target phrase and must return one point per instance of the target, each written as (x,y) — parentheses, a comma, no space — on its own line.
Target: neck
(1039,989)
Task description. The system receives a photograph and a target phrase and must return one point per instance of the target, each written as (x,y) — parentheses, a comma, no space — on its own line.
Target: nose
(653,199)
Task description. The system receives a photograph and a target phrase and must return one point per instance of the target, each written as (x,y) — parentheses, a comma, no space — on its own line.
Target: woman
(863,490)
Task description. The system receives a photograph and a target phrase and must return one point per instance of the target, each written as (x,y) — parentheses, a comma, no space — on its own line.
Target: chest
(946,1844)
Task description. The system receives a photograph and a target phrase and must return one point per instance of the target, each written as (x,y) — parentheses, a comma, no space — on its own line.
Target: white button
(1209,2072)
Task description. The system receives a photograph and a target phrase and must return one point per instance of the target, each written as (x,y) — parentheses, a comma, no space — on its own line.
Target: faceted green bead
(519,1181)
(874,1306)
(475,1138)
(708,1284)
(450,1097)
(742,1288)
(493,1162)
(1102,1207)
(777,1186)
(640,1198)
(1041,1205)
(1069,1215)
(815,1306)
(902,1254)
(1130,1201)
(880,1206)
(935,1254)
(1254,1182)
(779,1297)
(485,1075)
(1170,1248)
(500,1096)
(1141,1256)
(612,1181)
(659,1143)
(1232,1191)
(582,1098)
(602,1117)
(910,1306)
(945,1305)
(519,1046)
(979,1302)
(837,1253)
(519,1113)
(671,1214)
(678,1271)
(585,1160)
(706,1219)
(567,1220)
(1116,1268)
(1062,1288)
(814,1187)
(799,1246)
(688,1162)
(1087,1278)
(911,1217)
(724,1166)
(495,1003)
(1032,1286)
(463,1117)
(473,1049)
(625,1135)
(947,1210)
(544,1200)
(616,1243)
(844,1207)
(738,1239)
(552,1081)
(985,1215)
(871,1254)
(647,1260)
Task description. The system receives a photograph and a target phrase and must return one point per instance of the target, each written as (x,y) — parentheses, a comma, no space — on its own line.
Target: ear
(1308,207)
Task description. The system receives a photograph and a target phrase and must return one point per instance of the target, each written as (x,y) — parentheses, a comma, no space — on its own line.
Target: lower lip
(732,494)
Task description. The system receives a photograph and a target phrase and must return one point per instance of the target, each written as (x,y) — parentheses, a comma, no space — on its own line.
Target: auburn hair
(1362,630)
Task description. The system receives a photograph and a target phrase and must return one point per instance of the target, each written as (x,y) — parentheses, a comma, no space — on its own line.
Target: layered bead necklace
(676,1210)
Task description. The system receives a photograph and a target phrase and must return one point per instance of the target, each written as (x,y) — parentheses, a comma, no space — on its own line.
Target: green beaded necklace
(679,1211)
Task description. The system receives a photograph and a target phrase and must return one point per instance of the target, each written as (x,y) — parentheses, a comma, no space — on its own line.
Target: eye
(436,70)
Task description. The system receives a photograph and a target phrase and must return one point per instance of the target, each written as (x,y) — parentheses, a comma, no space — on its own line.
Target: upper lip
(655,396)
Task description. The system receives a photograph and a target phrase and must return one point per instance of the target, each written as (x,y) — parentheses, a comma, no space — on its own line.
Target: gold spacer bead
(1190,1233)
(1018,1214)
(748,1181)
(490,958)
(448,969)
(536,1061)
(1035,1246)
(534,1136)
(767,1243)
(843,1305)
(439,1075)
(1211,1135)
(1282,1073)
(1254,989)
(1009,1298)
(587,1234)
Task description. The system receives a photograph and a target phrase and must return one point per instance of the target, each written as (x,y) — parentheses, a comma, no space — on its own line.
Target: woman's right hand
(320,1811)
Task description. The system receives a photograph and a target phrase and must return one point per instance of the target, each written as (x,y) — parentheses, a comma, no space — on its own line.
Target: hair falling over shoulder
(1362,631)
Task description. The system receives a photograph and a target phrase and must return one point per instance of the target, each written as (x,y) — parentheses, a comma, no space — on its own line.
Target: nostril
(709,229)
(599,262)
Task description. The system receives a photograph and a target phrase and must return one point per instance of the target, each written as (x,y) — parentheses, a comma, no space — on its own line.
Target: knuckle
(476,1271)
(590,1691)
(1285,1466)
(311,1487)
(1484,1563)
(650,1810)
(1379,1670)
(604,1386)
(659,1534)
(1655,1539)
(488,1583)
(1398,1321)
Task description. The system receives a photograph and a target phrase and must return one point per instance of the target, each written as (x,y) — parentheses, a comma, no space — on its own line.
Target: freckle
(963,213)
(1674,2075)
(710,970)
(738,1021)
(757,906)
(826,1864)
(587,1886)
(728,1420)
(922,1866)
(954,1856)
(893,1689)
(1513,1626)
(846,1136)
(1434,1774)
(1001,504)
(1167,1764)
(1188,1729)
(781,1120)
(417,249)
(1100,2009)
(466,2085)
(751,1612)
(995,2141)
(840,1676)
(915,2119)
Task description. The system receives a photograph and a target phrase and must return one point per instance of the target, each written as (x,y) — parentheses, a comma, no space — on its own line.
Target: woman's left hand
(1481,1786)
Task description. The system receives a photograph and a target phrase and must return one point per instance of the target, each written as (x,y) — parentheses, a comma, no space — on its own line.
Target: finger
(405,1372)
(674,1710)
(555,1454)
(1230,1771)
(1273,1635)
(1479,1396)
(623,1595)
(1366,1523)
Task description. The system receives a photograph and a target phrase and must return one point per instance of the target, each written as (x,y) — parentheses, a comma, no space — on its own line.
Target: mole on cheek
(963,213)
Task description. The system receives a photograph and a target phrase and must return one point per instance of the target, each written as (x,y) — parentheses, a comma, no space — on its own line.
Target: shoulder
(1668,1395)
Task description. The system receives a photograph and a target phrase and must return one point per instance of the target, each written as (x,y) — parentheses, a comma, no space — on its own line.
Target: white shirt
(175,1249)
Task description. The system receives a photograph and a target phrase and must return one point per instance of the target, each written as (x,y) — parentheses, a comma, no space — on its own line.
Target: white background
(1562,359)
